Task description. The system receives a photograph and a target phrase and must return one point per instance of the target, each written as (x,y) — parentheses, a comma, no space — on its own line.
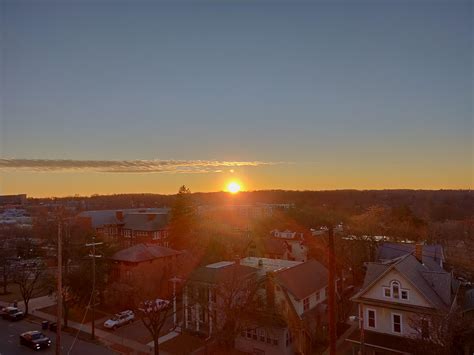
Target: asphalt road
(10,345)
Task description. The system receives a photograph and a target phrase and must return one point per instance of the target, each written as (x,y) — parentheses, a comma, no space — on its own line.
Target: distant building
(286,245)
(13,200)
(399,297)
(129,226)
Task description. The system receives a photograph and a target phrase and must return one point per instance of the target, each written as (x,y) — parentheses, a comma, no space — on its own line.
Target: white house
(397,301)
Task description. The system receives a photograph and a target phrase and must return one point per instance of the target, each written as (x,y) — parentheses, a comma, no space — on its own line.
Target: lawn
(76,314)
(15,295)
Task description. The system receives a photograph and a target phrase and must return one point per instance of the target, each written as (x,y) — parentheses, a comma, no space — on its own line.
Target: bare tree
(440,334)
(153,314)
(32,279)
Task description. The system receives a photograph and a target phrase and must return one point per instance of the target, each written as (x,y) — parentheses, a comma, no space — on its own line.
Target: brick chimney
(419,252)
(119,215)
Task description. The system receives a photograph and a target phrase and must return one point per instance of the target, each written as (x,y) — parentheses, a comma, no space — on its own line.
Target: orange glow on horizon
(233,187)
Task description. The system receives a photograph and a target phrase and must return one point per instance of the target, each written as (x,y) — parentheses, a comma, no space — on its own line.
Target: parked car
(119,319)
(35,340)
(12,313)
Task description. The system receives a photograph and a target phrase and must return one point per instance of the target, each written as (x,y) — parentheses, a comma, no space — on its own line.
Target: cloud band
(124,166)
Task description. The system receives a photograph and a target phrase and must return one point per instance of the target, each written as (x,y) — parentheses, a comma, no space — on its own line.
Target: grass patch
(76,314)
(14,294)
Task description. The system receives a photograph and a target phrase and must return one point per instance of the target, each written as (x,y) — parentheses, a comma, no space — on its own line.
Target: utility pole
(332,293)
(59,290)
(93,256)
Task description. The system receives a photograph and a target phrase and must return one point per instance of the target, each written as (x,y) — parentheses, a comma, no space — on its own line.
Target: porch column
(185,301)
(210,311)
(197,317)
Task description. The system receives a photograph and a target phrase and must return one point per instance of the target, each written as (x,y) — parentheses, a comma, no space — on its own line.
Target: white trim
(393,323)
(367,318)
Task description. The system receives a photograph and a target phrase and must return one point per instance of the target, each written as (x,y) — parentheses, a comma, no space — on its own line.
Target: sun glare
(233,187)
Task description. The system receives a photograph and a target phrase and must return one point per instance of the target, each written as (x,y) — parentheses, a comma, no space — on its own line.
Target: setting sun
(233,187)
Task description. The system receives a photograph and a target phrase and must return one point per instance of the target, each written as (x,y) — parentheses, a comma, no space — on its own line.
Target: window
(396,323)
(306,304)
(371,318)
(404,295)
(261,335)
(386,292)
(395,289)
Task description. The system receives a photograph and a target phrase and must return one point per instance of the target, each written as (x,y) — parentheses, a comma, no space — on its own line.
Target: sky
(102,97)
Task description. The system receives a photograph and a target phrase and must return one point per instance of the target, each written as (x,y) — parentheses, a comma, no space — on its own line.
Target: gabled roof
(429,279)
(303,279)
(389,251)
(143,252)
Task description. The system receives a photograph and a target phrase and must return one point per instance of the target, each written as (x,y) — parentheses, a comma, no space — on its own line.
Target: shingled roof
(390,251)
(303,279)
(143,252)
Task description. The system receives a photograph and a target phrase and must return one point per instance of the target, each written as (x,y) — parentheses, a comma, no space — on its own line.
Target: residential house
(398,299)
(295,242)
(290,303)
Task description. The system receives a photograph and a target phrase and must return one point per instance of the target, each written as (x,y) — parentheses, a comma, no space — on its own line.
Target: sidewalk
(109,339)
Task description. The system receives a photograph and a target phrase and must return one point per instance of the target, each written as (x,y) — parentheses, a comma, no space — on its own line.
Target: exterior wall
(260,343)
(414,297)
(383,320)
(299,304)
(298,252)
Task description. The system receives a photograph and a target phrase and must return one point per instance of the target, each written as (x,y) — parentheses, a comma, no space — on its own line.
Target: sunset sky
(144,96)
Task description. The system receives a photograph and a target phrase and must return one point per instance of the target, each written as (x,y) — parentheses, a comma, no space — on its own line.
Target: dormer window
(395,289)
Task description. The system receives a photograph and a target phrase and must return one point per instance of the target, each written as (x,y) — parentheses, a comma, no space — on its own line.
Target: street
(10,345)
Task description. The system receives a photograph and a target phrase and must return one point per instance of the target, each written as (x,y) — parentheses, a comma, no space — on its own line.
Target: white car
(119,319)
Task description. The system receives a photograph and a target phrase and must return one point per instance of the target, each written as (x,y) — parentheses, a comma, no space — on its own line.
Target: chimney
(419,252)
(119,215)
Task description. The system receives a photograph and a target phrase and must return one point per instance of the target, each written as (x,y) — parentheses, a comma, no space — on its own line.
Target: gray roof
(389,251)
(145,222)
(428,278)
(101,218)
(303,279)
(143,252)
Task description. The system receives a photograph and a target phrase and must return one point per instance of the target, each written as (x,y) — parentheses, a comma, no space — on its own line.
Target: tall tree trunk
(156,345)
(26,306)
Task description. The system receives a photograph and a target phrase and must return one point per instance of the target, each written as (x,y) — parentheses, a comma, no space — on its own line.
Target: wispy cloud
(124,166)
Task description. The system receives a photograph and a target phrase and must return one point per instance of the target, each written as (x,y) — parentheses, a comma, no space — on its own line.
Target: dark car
(53,326)
(12,313)
(35,340)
